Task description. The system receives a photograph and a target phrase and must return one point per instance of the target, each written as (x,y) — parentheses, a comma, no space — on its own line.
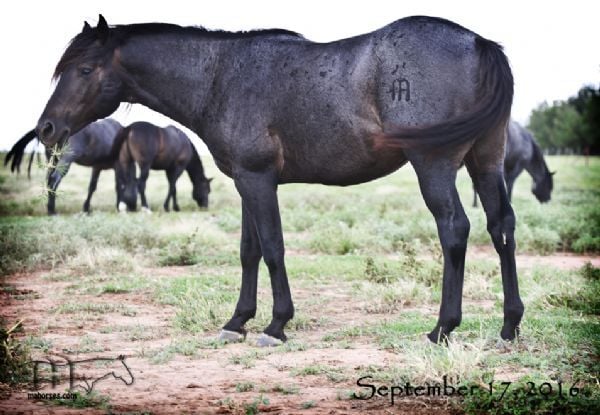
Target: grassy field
(365,269)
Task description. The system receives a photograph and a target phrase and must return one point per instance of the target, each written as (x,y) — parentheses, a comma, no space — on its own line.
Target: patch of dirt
(226,380)
(561,260)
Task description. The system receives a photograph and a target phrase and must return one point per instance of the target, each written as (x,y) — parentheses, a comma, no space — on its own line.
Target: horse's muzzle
(50,134)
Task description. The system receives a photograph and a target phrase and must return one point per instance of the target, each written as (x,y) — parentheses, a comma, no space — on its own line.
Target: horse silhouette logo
(89,372)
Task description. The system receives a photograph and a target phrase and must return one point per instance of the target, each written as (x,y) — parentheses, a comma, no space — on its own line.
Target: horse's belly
(343,171)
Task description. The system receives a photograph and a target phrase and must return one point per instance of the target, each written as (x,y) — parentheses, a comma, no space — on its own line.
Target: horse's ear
(102,29)
(86,27)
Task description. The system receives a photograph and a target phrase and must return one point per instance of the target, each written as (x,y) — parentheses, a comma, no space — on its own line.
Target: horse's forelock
(82,45)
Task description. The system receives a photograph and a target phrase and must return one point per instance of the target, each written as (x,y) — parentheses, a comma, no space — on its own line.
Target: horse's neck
(537,166)
(170,74)
(195,169)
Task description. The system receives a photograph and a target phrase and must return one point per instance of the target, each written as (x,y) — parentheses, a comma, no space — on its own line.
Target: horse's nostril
(47,130)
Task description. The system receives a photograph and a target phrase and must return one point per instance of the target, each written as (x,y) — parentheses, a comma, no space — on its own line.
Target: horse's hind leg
(250,255)
(172,176)
(144,173)
(437,183)
(168,199)
(92,188)
(485,165)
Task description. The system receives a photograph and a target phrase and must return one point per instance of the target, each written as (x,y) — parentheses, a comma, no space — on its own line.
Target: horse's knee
(273,258)
(249,259)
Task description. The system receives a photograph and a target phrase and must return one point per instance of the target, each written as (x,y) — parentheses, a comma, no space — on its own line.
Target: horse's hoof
(438,337)
(268,341)
(146,210)
(122,207)
(510,334)
(229,336)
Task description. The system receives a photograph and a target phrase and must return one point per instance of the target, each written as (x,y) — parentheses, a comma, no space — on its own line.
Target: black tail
(17,151)
(120,138)
(494,97)
(33,153)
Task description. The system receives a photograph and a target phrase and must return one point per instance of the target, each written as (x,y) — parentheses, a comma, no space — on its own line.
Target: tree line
(569,126)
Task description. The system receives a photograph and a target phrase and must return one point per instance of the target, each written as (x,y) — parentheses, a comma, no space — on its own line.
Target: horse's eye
(85,71)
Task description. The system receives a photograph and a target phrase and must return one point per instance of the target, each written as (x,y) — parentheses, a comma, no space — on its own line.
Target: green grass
(372,248)
(86,400)
(94,308)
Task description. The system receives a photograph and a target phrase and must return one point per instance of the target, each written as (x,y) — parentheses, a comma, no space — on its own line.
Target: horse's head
(543,189)
(129,194)
(201,191)
(89,86)
(124,373)
(127,186)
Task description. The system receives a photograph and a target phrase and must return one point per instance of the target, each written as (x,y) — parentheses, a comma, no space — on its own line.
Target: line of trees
(569,126)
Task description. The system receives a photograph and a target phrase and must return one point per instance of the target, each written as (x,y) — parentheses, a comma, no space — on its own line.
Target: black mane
(166,28)
(81,44)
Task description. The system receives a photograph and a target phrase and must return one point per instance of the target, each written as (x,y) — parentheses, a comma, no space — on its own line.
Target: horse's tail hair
(17,151)
(120,138)
(494,97)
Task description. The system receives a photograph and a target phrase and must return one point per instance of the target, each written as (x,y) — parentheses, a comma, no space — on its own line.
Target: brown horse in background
(153,147)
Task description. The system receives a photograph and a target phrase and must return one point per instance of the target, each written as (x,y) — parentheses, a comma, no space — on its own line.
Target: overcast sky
(553,46)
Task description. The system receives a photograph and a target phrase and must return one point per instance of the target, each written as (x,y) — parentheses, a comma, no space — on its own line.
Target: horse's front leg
(259,195)
(250,255)
(172,176)
(55,176)
(92,188)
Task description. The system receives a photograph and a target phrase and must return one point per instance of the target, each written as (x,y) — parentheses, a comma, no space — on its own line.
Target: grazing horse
(94,146)
(274,107)
(157,148)
(523,152)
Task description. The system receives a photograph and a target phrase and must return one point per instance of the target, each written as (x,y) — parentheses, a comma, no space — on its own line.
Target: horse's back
(413,72)
(92,145)
(160,148)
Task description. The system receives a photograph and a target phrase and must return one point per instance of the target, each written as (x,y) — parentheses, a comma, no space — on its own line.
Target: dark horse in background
(94,146)
(153,147)
(522,152)
(274,107)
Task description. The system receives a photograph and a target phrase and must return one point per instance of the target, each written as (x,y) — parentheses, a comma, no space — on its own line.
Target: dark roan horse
(94,146)
(522,152)
(274,108)
(153,147)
